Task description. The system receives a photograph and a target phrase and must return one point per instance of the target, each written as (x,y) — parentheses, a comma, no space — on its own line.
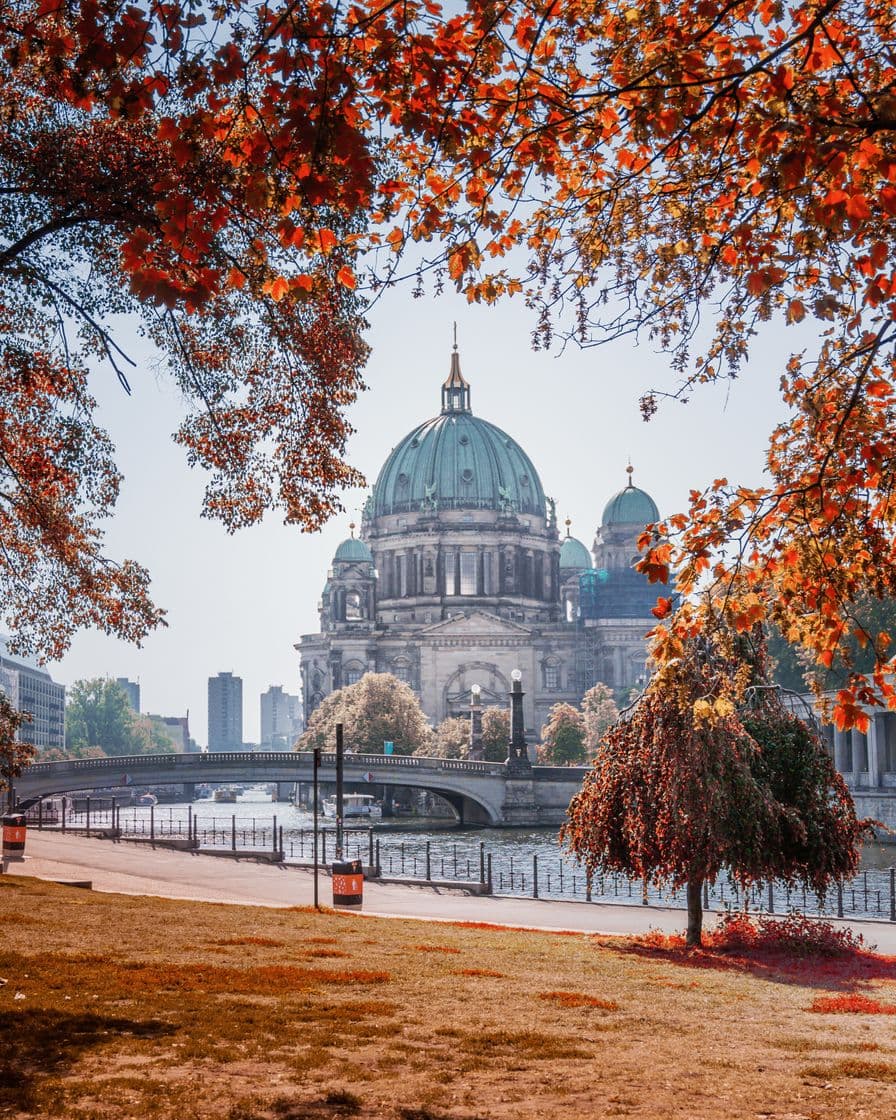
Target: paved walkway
(137,869)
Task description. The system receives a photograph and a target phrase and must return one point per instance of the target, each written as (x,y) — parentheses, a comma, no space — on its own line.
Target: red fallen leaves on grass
(792,949)
(579,999)
(479,972)
(518,929)
(852,1004)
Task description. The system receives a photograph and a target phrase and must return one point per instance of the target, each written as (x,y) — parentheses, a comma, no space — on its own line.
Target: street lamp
(517,756)
(475,748)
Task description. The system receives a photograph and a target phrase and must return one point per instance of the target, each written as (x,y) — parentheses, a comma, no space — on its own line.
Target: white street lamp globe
(516,675)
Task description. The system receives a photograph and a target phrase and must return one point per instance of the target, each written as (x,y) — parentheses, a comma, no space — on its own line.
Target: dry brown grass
(123,1015)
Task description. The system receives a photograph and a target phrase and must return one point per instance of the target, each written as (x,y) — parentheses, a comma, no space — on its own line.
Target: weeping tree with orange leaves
(710,773)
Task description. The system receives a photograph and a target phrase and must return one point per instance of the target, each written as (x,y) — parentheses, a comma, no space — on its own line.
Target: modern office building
(460,575)
(31,689)
(225,712)
(131,690)
(281,719)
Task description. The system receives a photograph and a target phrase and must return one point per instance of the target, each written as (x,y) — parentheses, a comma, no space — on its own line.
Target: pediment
(479,623)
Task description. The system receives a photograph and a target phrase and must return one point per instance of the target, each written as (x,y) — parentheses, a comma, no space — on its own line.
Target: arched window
(353,605)
(401,668)
(352,672)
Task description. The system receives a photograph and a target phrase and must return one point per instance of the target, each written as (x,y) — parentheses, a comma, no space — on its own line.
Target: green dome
(353,551)
(574,555)
(457,461)
(630,506)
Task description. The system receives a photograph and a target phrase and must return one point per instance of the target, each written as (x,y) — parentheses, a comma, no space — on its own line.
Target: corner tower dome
(630,506)
(456,461)
(353,551)
(574,556)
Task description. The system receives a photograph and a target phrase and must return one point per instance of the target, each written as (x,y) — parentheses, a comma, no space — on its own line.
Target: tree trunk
(694,938)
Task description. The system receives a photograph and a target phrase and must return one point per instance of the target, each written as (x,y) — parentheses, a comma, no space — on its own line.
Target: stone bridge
(487,793)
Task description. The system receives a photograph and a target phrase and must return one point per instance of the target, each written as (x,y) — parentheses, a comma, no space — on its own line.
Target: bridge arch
(476,790)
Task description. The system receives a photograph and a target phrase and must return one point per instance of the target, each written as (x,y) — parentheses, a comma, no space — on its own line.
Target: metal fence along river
(513,862)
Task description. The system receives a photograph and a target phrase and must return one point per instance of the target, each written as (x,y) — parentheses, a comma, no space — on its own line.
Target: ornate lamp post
(517,756)
(475,750)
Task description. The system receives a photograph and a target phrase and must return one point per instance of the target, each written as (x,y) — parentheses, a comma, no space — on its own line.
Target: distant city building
(31,689)
(177,728)
(225,712)
(281,719)
(460,575)
(131,690)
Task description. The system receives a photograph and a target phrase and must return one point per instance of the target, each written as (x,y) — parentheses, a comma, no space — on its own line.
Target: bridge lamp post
(517,756)
(475,750)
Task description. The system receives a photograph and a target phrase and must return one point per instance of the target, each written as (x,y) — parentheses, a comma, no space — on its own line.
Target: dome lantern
(455,388)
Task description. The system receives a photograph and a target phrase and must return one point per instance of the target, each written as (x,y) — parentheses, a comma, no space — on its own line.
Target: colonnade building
(460,575)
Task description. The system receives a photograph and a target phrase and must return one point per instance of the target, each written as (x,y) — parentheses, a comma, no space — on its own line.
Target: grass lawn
(114,1006)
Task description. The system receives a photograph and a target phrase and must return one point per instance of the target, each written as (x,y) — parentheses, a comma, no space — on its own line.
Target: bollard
(482,863)
(274,835)
(14,830)
(489,880)
(370,847)
(152,825)
(63,815)
(428,869)
(88,818)
(348,883)
(233,833)
(535,876)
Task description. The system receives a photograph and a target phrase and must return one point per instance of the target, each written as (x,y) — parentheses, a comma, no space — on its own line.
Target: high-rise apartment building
(281,719)
(31,689)
(225,712)
(131,689)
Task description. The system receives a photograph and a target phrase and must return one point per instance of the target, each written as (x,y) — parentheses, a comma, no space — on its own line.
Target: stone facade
(460,576)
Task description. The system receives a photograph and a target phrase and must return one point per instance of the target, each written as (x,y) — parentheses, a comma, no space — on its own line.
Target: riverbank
(139,870)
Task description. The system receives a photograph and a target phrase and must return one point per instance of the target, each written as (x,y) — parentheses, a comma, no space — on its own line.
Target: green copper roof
(574,555)
(457,461)
(353,550)
(630,506)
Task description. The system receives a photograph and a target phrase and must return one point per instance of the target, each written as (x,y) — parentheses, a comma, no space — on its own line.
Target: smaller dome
(630,506)
(574,555)
(353,551)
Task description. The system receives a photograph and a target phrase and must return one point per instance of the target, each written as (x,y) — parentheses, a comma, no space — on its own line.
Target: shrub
(793,935)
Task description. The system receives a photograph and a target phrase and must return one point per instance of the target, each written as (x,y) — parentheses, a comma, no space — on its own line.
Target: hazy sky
(240,602)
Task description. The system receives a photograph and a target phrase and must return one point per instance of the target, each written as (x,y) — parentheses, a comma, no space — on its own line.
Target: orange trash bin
(14,836)
(348,883)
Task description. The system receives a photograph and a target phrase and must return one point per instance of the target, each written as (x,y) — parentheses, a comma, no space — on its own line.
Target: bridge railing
(302,760)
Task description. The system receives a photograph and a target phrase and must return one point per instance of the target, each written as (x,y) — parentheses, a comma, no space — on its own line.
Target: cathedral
(459,576)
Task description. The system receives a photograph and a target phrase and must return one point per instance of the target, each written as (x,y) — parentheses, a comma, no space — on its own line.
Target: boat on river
(225,794)
(354,806)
